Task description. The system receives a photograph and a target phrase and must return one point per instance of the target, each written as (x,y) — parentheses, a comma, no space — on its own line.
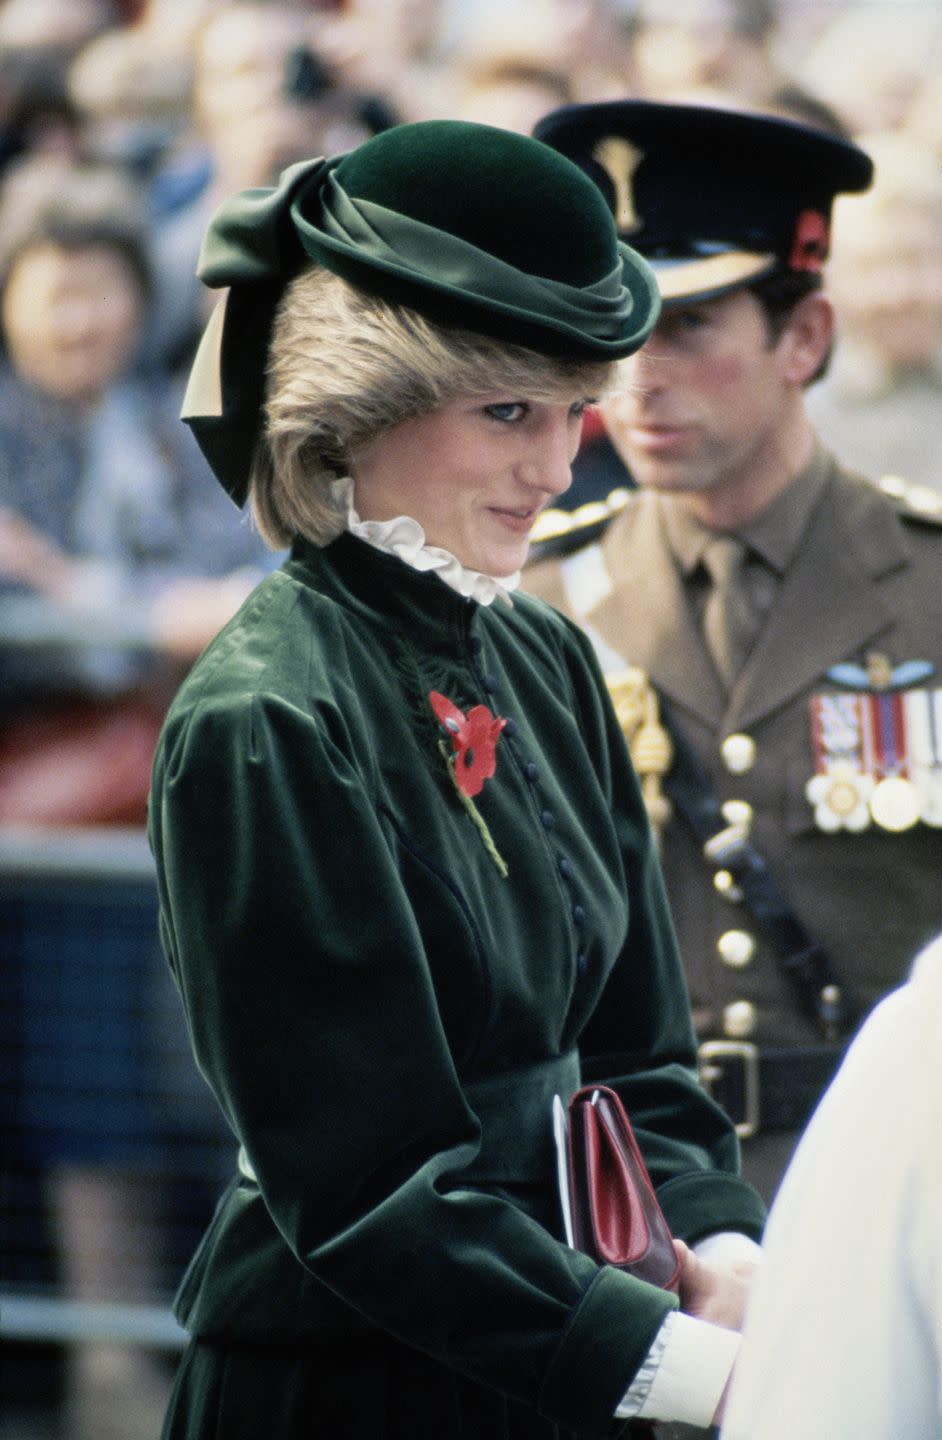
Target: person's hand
(31,558)
(715,1293)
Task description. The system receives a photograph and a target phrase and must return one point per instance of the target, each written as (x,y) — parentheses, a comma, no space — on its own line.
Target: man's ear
(805,342)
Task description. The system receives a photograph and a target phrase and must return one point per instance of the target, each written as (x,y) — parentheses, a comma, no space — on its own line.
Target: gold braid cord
(649,744)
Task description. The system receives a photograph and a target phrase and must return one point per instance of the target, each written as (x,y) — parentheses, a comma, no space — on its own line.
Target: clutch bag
(610,1210)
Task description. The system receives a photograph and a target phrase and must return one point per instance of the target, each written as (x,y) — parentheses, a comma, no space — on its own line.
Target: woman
(406,883)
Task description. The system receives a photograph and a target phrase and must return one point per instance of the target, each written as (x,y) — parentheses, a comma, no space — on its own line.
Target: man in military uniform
(788,613)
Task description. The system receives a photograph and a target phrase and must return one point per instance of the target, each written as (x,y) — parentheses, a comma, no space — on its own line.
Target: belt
(515,1111)
(766,1089)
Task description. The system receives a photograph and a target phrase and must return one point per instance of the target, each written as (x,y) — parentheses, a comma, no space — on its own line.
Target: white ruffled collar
(405,538)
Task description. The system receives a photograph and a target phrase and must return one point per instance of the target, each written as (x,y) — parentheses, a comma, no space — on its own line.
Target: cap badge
(619,160)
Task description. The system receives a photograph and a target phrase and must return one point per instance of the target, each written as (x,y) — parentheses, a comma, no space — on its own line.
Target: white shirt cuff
(727,1247)
(692,1362)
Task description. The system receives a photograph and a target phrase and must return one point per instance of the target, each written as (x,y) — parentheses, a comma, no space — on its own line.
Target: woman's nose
(548,463)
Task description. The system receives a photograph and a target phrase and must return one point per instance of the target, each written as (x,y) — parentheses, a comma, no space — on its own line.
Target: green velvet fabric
(472,226)
(361,982)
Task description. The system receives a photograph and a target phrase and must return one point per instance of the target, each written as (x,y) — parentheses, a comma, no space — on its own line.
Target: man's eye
(578,408)
(508,411)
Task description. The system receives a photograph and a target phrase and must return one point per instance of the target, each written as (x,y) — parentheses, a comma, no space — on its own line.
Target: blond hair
(345,366)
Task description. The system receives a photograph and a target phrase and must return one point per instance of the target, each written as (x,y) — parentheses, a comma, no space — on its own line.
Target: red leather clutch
(614,1213)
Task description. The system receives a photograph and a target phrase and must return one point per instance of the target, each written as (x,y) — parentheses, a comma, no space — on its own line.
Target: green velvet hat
(472,226)
(713,198)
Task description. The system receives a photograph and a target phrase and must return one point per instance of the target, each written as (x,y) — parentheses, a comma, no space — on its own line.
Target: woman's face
(72,319)
(475,474)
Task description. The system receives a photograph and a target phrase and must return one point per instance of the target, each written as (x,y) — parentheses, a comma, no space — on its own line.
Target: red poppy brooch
(472,758)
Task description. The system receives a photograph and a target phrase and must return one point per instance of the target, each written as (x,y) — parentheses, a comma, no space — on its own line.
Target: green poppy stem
(476,815)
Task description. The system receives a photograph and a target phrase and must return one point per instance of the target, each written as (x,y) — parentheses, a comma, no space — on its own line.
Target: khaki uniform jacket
(867,577)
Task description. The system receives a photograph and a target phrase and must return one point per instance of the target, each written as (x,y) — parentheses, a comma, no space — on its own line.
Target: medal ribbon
(835,730)
(887,734)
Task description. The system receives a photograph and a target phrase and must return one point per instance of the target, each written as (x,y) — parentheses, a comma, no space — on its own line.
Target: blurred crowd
(123,123)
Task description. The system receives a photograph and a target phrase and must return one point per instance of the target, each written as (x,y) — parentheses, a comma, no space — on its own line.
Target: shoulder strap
(811,977)
(814,985)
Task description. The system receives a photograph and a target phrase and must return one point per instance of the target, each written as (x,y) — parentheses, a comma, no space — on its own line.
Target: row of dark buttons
(547,819)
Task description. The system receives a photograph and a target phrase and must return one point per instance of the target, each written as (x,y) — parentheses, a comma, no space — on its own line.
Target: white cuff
(727,1247)
(693,1361)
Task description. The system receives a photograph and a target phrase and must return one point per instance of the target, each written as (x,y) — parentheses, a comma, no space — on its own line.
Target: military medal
(841,788)
(923,714)
(895,802)
(879,746)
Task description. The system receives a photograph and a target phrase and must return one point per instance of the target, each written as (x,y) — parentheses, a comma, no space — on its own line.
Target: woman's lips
(518,520)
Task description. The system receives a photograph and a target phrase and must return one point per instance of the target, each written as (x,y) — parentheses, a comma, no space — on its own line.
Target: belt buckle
(713,1056)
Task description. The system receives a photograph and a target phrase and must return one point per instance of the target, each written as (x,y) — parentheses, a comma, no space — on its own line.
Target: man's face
(704,403)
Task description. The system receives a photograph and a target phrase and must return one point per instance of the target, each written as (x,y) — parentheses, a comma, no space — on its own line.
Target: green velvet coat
(384,1015)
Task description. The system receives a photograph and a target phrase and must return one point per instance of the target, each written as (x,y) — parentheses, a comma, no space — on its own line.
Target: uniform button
(510,728)
(547,819)
(736,948)
(725,885)
(476,643)
(737,812)
(578,916)
(582,962)
(490,683)
(532,772)
(739,753)
(565,867)
(739,1019)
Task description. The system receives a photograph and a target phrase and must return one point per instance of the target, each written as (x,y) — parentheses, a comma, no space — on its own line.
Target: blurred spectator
(37,115)
(392,49)
(870,60)
(726,45)
(587,41)
(57,25)
(134,95)
(880,407)
(107,515)
(923,118)
(263,97)
(104,505)
(512,96)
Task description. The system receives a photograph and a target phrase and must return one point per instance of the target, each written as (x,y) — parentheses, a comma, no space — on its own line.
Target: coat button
(582,962)
(547,819)
(737,812)
(578,916)
(736,948)
(490,683)
(532,772)
(510,729)
(565,867)
(476,643)
(724,884)
(739,753)
(739,1019)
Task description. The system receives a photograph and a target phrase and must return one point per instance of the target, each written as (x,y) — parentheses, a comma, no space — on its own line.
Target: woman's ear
(805,342)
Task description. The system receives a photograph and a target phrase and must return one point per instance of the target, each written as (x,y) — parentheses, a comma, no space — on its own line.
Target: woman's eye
(507,411)
(579,408)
